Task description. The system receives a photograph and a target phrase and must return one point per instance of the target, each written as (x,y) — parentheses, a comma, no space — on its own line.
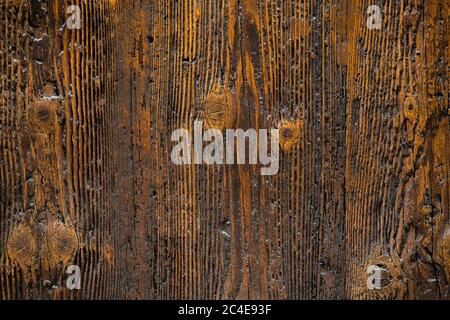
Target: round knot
(43,116)
(21,246)
(220,109)
(61,243)
(289,134)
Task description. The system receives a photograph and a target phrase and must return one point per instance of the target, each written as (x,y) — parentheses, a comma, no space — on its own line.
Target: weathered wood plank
(86,177)
(55,150)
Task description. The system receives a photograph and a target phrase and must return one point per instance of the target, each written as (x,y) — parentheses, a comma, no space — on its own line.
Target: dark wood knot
(42,116)
(61,243)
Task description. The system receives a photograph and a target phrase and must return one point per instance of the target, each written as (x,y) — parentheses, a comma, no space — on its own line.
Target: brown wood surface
(86,179)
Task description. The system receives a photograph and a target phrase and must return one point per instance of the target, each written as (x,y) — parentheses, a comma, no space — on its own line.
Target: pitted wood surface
(86,179)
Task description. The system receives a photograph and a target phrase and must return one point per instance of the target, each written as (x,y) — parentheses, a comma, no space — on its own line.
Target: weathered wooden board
(86,178)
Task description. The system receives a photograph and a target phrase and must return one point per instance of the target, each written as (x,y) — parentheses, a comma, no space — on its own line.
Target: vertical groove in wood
(397,211)
(86,118)
(54,147)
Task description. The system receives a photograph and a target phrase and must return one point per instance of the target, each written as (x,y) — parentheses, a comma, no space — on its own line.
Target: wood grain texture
(86,118)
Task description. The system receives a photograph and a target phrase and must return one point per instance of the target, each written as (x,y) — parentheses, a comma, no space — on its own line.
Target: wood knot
(289,134)
(381,277)
(410,108)
(60,244)
(220,109)
(22,246)
(42,116)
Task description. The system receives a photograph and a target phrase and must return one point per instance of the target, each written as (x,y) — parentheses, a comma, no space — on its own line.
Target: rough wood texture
(86,118)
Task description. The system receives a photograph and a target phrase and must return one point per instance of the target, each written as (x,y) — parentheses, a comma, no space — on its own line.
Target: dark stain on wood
(86,118)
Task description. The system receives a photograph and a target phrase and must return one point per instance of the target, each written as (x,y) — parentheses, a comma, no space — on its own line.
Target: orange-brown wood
(86,178)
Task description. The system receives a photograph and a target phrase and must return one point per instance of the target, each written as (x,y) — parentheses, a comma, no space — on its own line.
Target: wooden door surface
(358,90)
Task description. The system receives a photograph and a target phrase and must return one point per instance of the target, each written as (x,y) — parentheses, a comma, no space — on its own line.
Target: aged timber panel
(86,176)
